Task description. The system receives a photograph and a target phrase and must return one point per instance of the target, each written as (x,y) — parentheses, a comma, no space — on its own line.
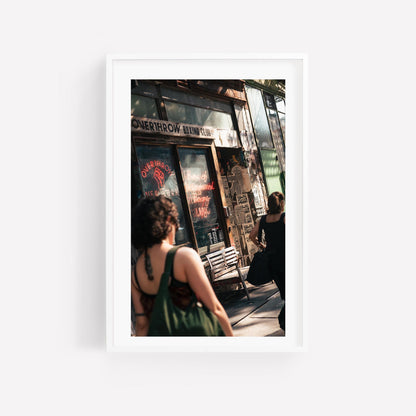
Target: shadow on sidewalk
(257,316)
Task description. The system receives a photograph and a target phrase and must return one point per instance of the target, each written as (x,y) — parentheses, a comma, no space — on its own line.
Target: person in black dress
(274,224)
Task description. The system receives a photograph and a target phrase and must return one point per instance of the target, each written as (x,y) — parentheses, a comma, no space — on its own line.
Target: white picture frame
(120,70)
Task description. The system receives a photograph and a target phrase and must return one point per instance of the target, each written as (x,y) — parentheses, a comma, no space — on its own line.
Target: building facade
(216,148)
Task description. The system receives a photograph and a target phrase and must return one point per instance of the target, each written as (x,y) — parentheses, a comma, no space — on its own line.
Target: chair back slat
(223,266)
(223,270)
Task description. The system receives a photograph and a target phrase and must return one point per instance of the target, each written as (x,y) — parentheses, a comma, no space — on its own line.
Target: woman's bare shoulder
(186,259)
(187,253)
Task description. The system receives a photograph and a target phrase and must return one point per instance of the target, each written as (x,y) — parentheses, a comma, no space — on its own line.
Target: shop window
(281,109)
(158,177)
(282,119)
(280,104)
(143,107)
(199,188)
(194,100)
(269,100)
(143,88)
(259,118)
(182,113)
(272,173)
(278,136)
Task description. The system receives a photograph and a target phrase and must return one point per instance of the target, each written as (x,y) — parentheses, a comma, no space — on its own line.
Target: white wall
(361,223)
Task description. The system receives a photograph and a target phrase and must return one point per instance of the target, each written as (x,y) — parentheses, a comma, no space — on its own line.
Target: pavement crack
(255,309)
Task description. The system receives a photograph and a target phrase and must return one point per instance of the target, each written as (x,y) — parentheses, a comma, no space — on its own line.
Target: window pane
(143,88)
(280,104)
(258,115)
(199,188)
(278,137)
(185,98)
(282,118)
(182,113)
(271,170)
(143,107)
(158,177)
(269,99)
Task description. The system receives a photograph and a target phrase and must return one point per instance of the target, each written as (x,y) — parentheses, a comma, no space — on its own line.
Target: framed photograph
(205,155)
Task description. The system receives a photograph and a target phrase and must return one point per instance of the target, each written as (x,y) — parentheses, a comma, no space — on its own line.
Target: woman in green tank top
(154,224)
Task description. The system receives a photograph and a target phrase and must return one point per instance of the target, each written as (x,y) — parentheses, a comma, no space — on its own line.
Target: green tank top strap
(164,281)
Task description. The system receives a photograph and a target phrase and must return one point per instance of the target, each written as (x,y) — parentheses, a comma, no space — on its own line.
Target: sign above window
(221,137)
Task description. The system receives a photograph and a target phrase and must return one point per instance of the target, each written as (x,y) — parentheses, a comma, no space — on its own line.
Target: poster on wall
(242,199)
(183,213)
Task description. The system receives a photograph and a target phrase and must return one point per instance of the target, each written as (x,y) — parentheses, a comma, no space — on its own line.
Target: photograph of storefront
(216,148)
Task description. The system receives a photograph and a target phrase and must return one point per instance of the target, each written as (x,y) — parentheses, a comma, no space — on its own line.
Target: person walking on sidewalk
(274,224)
(154,224)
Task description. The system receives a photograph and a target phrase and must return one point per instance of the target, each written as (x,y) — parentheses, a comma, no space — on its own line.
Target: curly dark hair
(151,221)
(275,203)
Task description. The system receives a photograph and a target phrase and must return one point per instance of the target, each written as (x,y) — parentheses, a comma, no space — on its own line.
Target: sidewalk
(256,317)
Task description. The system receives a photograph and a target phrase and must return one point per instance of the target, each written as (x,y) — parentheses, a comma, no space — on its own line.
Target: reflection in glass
(258,115)
(199,188)
(158,177)
(280,104)
(282,118)
(169,94)
(281,108)
(143,107)
(271,170)
(182,113)
(278,137)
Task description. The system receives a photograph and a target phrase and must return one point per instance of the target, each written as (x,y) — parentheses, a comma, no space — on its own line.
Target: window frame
(213,167)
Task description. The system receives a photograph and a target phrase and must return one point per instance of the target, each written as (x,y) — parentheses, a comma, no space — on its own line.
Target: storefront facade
(267,107)
(195,142)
